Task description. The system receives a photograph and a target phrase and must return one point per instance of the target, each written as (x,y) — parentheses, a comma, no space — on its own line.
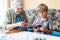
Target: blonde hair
(42,7)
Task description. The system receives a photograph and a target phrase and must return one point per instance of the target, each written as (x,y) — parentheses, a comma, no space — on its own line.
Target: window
(3,7)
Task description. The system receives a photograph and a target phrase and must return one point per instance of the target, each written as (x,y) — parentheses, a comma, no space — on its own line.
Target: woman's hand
(23,24)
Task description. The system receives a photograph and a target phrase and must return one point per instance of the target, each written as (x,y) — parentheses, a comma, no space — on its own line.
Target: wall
(30,4)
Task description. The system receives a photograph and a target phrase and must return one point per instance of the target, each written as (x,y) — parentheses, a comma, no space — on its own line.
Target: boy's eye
(42,11)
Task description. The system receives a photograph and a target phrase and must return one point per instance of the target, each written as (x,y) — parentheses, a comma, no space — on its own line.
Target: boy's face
(42,14)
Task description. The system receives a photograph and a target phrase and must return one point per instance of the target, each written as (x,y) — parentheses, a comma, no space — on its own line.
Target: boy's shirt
(39,21)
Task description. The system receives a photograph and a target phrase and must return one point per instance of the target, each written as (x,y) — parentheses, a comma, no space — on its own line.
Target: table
(24,35)
(31,36)
(13,31)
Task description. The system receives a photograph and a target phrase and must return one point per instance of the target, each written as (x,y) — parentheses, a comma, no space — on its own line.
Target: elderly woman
(15,17)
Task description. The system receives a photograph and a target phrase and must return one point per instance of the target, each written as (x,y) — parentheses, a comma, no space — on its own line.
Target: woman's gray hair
(16,3)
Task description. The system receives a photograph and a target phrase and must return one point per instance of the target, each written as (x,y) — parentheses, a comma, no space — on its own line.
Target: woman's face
(19,10)
(42,14)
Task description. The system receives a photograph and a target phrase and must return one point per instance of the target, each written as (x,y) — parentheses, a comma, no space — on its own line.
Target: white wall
(29,4)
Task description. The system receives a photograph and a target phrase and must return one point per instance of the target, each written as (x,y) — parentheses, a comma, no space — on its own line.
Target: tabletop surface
(31,36)
(13,31)
(24,35)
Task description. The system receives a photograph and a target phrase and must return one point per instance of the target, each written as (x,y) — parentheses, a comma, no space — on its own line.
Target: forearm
(11,26)
(47,31)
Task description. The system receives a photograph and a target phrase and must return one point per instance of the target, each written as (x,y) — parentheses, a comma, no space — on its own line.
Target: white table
(30,36)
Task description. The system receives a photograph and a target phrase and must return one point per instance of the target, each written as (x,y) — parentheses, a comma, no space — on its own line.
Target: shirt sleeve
(36,22)
(50,24)
(6,19)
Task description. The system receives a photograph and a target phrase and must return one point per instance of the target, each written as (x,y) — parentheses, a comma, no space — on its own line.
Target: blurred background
(30,10)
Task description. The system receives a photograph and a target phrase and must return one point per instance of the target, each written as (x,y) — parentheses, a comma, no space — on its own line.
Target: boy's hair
(42,7)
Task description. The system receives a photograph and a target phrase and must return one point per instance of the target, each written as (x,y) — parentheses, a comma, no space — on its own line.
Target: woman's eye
(17,8)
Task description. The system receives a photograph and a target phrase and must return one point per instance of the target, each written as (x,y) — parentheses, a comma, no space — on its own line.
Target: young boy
(42,23)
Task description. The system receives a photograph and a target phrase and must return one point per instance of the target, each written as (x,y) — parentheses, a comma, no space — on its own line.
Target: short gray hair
(16,3)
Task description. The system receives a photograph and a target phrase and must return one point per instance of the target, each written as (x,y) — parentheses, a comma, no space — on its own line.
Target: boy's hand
(37,29)
(41,28)
(46,31)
